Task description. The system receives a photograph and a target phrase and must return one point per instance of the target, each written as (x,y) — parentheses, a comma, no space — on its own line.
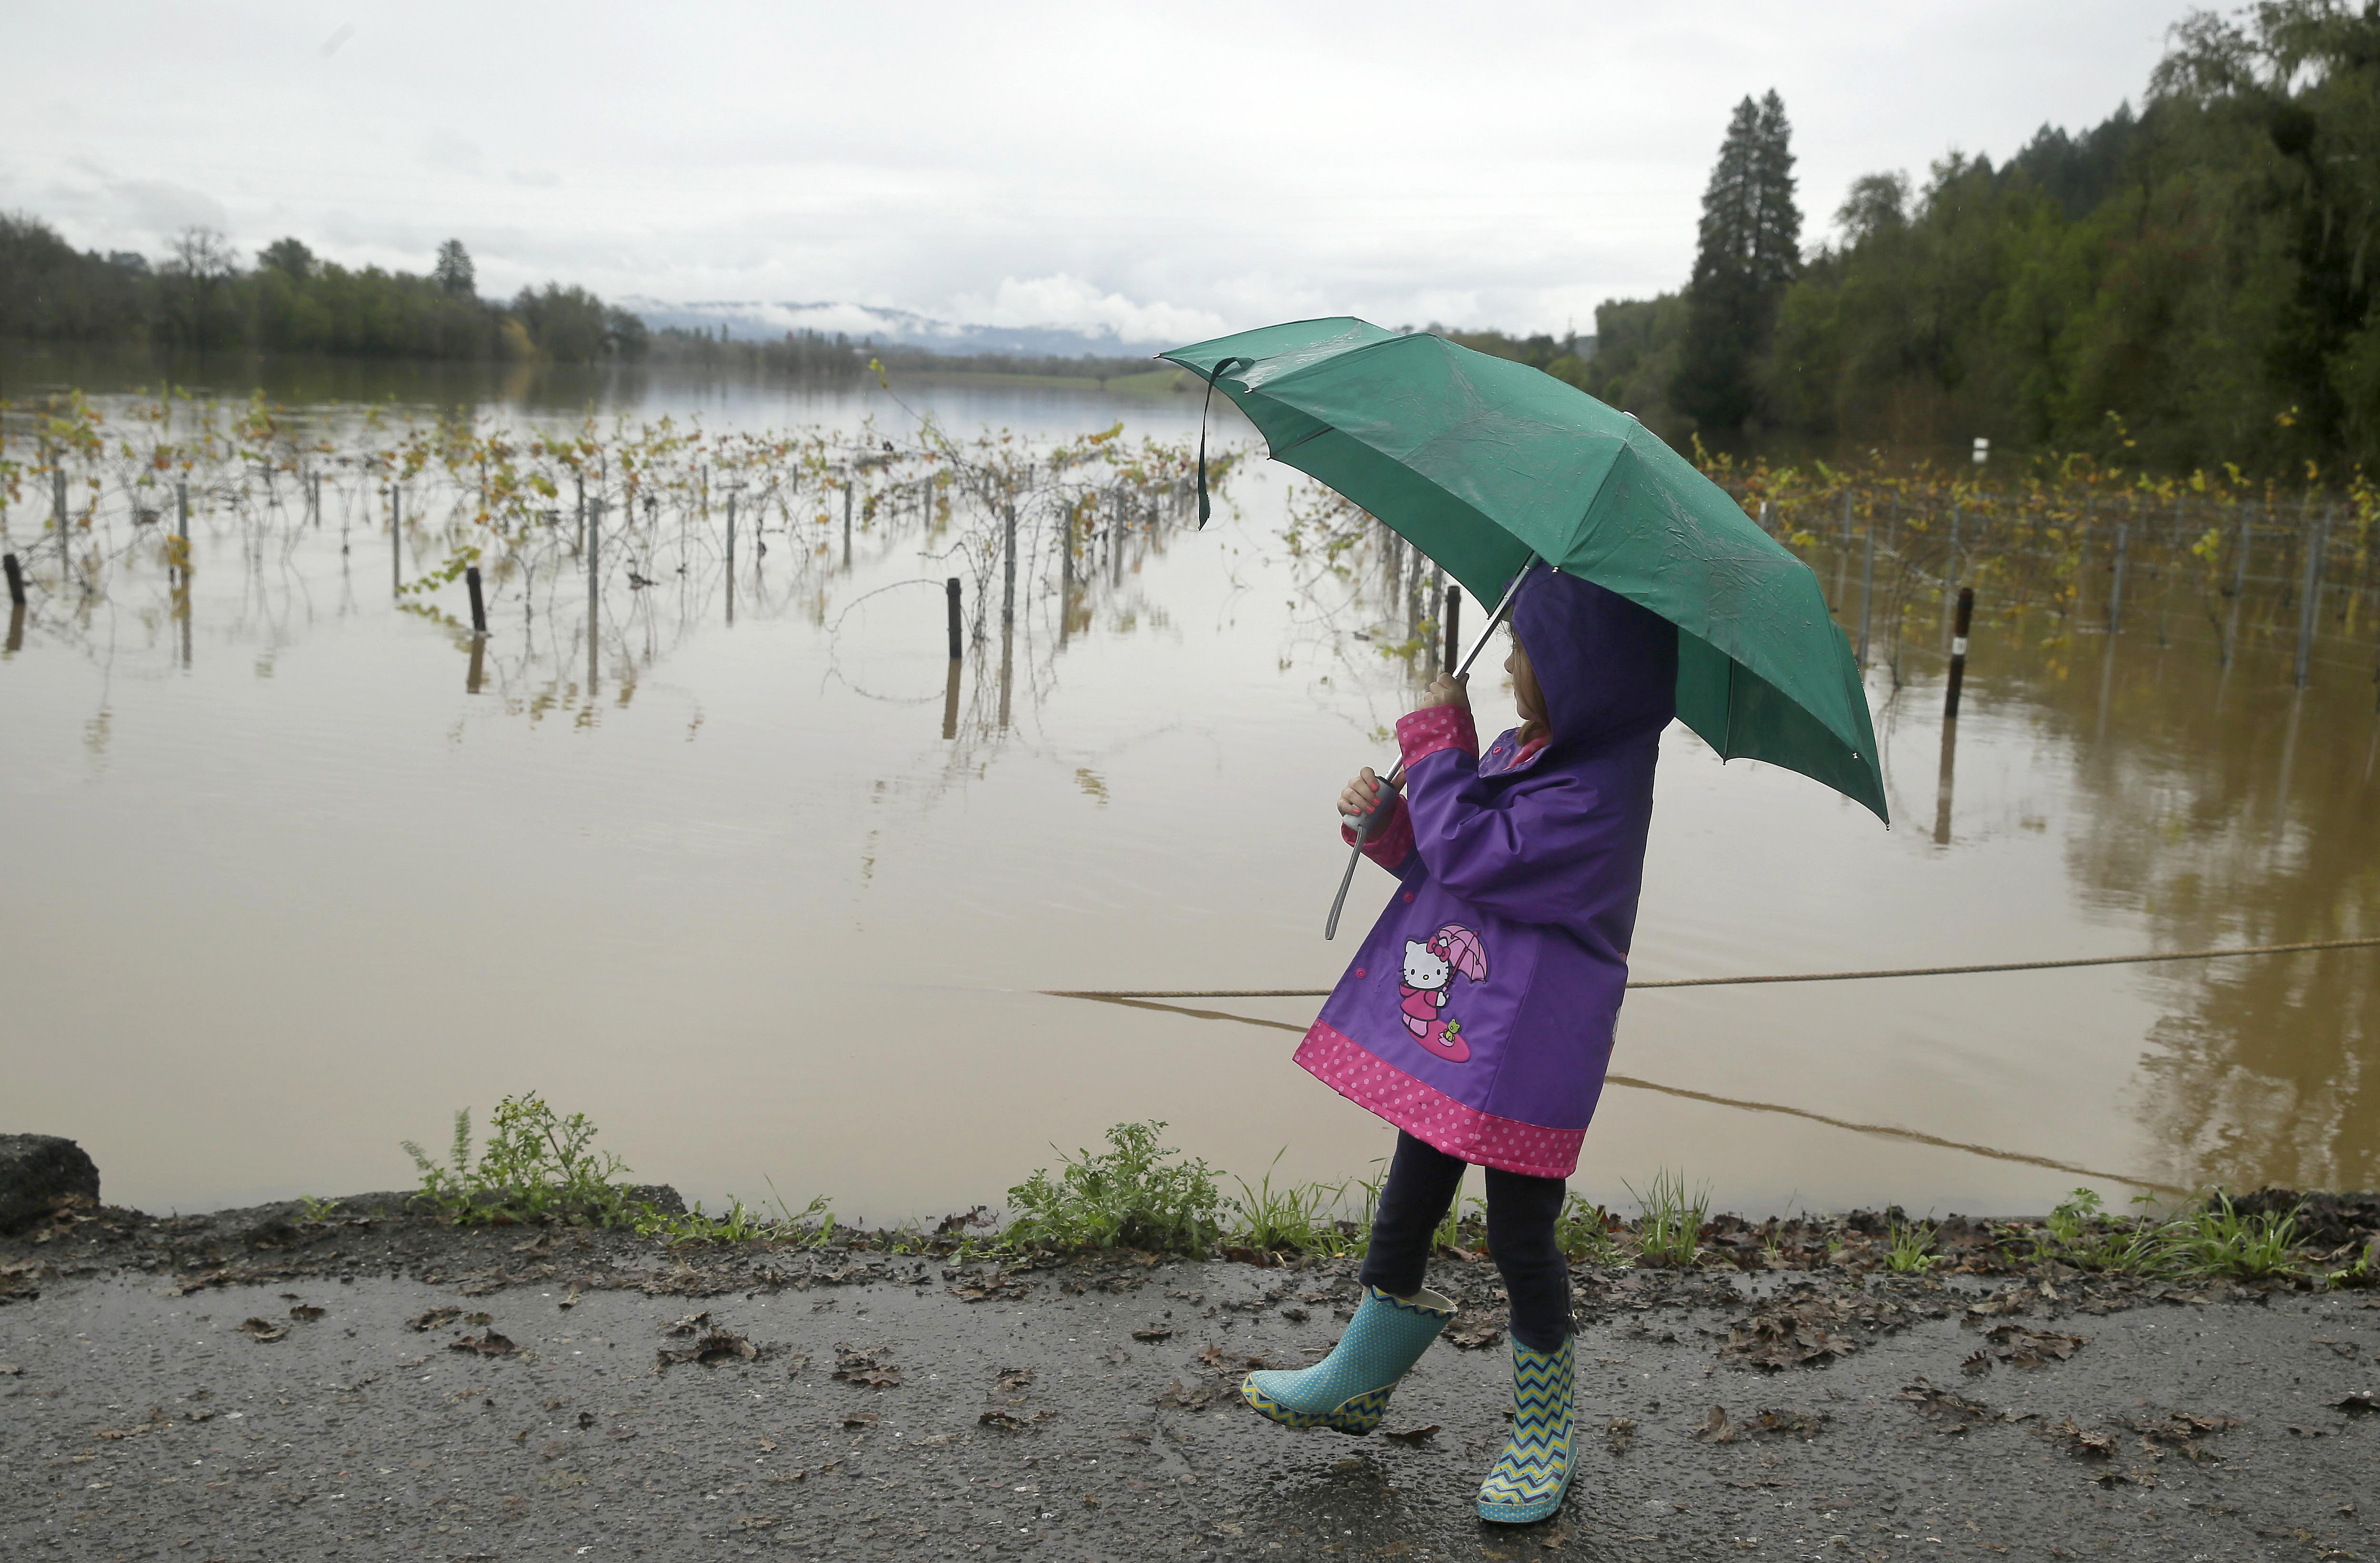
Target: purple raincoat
(1478,1014)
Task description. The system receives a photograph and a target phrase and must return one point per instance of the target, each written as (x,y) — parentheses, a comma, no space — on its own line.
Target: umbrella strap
(1204,509)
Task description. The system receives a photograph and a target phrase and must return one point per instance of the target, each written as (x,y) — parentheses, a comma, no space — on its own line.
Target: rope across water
(1781,976)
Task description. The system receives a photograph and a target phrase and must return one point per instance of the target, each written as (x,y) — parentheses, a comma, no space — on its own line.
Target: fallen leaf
(936,1440)
(1475,1331)
(1804,1426)
(2080,1441)
(262,1329)
(2359,1403)
(1154,1332)
(488,1345)
(1956,1413)
(11,1369)
(1411,1435)
(1013,1379)
(306,1312)
(719,1346)
(1009,1422)
(1716,1429)
(433,1318)
(688,1325)
(2023,1348)
(869,1369)
(1196,1398)
(1618,1433)
(859,1419)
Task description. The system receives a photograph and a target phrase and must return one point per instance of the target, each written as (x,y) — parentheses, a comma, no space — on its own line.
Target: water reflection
(758,837)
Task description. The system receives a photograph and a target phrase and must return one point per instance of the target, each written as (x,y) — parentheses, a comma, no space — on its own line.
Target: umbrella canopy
(1481,462)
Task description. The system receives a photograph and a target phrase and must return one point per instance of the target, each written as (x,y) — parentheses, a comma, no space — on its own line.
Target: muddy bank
(259,1385)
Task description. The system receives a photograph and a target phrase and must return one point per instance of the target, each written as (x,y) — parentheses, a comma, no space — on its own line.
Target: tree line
(202,297)
(2188,284)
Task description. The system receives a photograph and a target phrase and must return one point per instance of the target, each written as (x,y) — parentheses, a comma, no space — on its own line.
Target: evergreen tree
(454,270)
(1749,252)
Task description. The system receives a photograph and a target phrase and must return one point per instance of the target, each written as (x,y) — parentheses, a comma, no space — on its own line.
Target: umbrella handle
(1364,831)
(1363,834)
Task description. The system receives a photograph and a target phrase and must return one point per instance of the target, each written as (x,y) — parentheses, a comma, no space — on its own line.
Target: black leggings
(1521,1213)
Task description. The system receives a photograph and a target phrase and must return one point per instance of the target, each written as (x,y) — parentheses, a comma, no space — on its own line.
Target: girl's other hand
(1445,691)
(1358,800)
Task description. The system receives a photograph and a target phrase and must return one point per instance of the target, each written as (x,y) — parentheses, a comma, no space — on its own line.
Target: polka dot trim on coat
(1430,1115)
(1425,732)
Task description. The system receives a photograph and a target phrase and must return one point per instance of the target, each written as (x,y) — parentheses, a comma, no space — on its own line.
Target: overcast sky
(1171,171)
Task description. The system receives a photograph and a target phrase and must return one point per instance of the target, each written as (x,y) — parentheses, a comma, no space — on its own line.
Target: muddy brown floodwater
(776,910)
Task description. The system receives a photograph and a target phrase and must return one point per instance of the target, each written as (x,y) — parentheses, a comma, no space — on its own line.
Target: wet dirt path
(1092,1416)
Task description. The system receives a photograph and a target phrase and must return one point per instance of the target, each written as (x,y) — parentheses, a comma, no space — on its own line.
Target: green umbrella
(1482,463)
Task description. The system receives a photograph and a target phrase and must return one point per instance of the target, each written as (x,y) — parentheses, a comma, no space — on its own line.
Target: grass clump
(1131,1195)
(1294,1217)
(1583,1231)
(537,1166)
(1670,1220)
(1910,1250)
(2210,1238)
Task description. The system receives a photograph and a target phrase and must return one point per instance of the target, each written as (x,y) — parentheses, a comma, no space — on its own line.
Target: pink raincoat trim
(1481,1138)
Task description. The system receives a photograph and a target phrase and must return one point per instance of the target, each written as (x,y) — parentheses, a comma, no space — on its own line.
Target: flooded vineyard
(366,761)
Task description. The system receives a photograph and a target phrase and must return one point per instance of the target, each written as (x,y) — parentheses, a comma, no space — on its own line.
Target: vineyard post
(2116,588)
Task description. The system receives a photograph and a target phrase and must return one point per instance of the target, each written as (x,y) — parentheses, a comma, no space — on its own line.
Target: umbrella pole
(1364,829)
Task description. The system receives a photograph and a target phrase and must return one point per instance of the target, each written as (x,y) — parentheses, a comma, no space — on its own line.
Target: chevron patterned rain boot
(1348,1391)
(1534,1471)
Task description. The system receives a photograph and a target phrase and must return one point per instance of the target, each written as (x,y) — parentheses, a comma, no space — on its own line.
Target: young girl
(1477,1016)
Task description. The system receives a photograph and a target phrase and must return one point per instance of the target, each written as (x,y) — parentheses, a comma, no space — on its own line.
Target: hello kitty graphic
(1429,971)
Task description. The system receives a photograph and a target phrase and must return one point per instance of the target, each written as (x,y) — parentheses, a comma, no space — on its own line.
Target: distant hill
(757,321)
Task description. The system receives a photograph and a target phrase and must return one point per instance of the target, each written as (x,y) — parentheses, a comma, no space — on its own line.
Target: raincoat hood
(1608,668)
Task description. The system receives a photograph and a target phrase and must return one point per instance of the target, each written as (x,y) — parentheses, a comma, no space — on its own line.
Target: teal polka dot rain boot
(1348,1391)
(1534,1471)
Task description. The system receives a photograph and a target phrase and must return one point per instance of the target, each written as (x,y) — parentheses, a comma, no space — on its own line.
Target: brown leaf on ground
(691,1324)
(2080,1441)
(1196,1398)
(306,1312)
(859,1419)
(1785,1339)
(488,1345)
(1154,1332)
(1413,1436)
(2023,1348)
(1715,1428)
(1009,1422)
(1977,1361)
(985,1288)
(1804,1426)
(1475,1331)
(719,1346)
(1013,1379)
(262,1329)
(2182,1432)
(869,1369)
(1953,1413)
(1618,1433)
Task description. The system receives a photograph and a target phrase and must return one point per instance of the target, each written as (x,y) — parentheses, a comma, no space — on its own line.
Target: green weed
(1583,1231)
(1294,1219)
(1911,1251)
(311,1209)
(1670,1220)
(2217,1240)
(536,1166)
(1132,1195)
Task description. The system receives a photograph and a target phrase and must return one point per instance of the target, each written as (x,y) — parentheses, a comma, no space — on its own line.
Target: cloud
(1070,302)
(452,153)
(158,206)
